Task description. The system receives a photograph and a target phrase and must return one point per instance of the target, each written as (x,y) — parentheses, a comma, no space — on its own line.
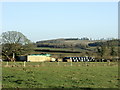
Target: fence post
(108,63)
(24,64)
(7,64)
(71,63)
(58,63)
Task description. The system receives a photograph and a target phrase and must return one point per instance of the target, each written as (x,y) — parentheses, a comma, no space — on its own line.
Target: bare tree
(13,43)
(14,37)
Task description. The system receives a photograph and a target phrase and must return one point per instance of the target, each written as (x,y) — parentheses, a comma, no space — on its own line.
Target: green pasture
(60,75)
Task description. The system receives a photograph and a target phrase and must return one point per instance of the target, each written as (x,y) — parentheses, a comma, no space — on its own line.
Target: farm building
(21,58)
(39,57)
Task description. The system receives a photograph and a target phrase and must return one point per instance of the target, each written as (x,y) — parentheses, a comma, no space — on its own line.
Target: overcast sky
(51,20)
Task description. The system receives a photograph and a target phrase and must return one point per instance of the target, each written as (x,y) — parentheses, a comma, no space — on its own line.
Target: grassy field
(60,75)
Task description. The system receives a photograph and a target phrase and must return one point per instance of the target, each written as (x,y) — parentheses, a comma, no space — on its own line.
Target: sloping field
(79,41)
(60,75)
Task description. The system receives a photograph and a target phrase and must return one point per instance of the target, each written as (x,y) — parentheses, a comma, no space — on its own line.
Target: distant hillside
(78,47)
(64,43)
(76,43)
(63,40)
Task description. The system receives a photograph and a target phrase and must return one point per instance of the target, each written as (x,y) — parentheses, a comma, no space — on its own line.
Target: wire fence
(49,64)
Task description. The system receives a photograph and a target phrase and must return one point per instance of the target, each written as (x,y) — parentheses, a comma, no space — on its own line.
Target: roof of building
(39,55)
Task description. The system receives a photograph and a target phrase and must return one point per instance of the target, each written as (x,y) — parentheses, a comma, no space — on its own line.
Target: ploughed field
(60,75)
